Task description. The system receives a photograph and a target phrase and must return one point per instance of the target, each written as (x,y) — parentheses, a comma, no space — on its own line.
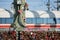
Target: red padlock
(20,11)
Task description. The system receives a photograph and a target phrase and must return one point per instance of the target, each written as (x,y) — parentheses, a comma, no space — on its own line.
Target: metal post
(18,35)
(48,5)
(16,7)
(57,6)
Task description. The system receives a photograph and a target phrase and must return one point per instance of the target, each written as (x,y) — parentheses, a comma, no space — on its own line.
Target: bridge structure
(42,19)
(34,19)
